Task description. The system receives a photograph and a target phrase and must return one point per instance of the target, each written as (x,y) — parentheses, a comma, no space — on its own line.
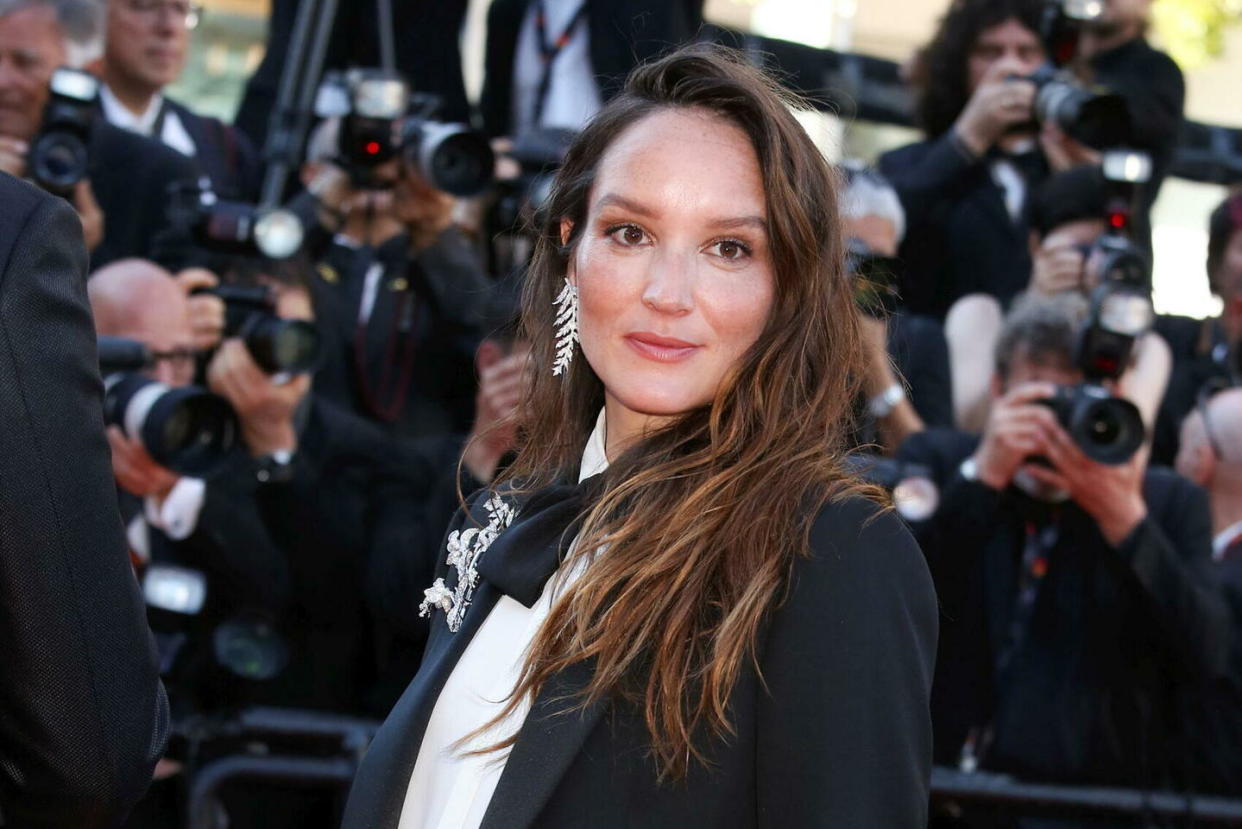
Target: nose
(669,288)
(166,373)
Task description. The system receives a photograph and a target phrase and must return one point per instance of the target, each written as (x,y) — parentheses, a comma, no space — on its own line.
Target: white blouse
(447,789)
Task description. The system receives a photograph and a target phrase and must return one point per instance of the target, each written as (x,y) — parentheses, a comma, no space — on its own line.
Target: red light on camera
(372,148)
(1117,221)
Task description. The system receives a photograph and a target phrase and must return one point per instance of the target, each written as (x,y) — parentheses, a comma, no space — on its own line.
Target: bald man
(1210,454)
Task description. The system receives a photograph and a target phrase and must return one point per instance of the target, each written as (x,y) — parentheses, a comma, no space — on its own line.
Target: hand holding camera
(207,311)
(1018,428)
(264,404)
(134,469)
(1110,493)
(999,104)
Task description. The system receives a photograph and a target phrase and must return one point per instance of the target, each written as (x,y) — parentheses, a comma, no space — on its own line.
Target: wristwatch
(276,468)
(882,405)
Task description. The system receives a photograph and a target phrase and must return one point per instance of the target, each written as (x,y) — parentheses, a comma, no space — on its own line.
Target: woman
(735,637)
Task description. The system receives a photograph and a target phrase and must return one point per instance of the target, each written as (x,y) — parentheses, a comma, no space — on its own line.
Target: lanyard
(548,51)
(1039,543)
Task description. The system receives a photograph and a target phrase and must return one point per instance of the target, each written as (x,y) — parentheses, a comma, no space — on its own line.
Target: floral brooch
(464,549)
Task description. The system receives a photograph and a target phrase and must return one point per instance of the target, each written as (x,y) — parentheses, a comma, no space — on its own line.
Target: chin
(660,400)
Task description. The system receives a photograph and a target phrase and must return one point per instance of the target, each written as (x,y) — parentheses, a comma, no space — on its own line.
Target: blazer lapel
(379,789)
(549,740)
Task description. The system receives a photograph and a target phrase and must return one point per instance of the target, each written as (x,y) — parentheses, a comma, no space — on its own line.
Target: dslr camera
(1091,114)
(186,429)
(58,159)
(278,346)
(381,120)
(1109,429)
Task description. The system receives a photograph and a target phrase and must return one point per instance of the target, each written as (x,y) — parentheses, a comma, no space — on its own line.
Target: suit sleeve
(844,730)
(83,716)
(1170,568)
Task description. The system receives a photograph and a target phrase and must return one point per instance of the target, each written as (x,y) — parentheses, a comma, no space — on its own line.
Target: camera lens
(1108,430)
(58,161)
(453,158)
(279,345)
(187,429)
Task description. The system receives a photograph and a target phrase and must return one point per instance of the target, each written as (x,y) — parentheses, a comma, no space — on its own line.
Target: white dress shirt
(1223,539)
(447,789)
(573,95)
(173,133)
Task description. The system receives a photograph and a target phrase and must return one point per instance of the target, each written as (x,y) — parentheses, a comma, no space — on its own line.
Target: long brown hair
(699,522)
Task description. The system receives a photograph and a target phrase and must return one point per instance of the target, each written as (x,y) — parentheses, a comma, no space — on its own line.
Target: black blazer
(624,33)
(839,736)
(131,175)
(959,236)
(83,717)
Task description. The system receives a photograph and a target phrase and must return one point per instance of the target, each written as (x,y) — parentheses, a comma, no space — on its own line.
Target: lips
(660,348)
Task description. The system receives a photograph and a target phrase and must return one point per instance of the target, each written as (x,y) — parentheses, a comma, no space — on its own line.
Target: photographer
(396,293)
(210,525)
(121,198)
(1076,594)
(144,51)
(964,188)
(908,386)
(1204,351)
(1066,216)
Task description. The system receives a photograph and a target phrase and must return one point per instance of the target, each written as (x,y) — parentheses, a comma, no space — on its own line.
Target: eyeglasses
(180,360)
(190,13)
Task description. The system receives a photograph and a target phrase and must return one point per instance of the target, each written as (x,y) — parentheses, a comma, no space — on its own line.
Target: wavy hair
(940,76)
(699,522)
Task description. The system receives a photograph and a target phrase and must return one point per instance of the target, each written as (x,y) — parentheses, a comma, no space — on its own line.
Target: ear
(488,354)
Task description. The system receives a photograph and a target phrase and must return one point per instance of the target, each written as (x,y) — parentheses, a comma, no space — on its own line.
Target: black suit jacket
(959,236)
(1113,632)
(624,33)
(83,717)
(131,175)
(838,736)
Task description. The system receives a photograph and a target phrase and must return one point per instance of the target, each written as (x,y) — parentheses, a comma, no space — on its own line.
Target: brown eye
(627,235)
(632,235)
(731,250)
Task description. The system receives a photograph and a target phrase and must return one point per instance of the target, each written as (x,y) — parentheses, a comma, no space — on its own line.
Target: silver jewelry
(566,327)
(882,405)
(464,549)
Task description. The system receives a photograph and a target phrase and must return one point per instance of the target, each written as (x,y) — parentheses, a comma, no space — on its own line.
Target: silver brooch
(464,549)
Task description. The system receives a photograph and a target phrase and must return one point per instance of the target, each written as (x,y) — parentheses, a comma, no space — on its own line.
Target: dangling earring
(566,327)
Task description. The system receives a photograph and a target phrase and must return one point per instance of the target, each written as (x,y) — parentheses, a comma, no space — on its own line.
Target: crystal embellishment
(464,549)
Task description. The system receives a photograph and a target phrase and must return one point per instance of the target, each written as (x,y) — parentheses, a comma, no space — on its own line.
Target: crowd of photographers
(289,387)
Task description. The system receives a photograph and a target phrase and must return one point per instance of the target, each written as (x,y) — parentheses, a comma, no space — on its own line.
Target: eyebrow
(611,199)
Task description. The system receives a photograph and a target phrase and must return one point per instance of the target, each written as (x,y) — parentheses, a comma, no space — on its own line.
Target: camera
(58,157)
(1091,114)
(1108,429)
(382,120)
(873,277)
(186,429)
(276,345)
(231,227)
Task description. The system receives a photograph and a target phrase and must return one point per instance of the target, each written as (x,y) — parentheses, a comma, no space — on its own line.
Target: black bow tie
(526,554)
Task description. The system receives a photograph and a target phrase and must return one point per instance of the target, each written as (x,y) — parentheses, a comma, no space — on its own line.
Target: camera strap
(1036,551)
(549,50)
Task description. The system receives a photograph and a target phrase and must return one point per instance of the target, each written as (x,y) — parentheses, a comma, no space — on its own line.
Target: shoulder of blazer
(857,550)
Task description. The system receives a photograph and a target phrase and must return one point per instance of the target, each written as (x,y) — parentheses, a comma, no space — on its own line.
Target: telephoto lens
(1093,115)
(452,157)
(1108,429)
(186,429)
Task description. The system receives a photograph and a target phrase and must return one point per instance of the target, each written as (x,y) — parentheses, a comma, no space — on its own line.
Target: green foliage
(1192,31)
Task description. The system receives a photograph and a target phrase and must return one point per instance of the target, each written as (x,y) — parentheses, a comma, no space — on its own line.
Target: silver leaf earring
(566,327)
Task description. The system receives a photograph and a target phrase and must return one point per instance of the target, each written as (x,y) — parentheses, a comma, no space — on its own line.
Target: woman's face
(673,268)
